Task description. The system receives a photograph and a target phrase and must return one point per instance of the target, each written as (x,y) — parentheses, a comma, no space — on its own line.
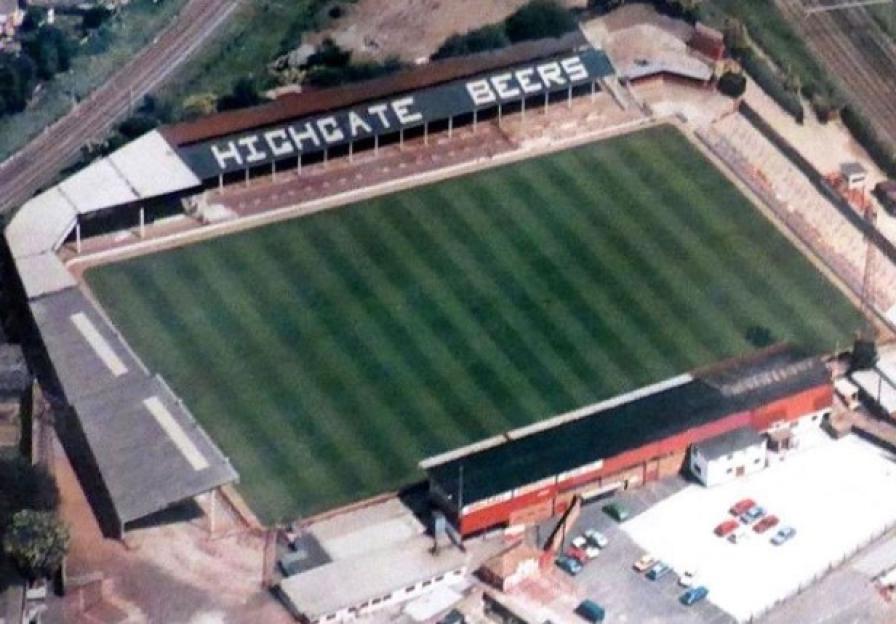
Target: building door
(740,471)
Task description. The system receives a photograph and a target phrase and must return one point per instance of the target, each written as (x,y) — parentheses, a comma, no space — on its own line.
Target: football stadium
(312,296)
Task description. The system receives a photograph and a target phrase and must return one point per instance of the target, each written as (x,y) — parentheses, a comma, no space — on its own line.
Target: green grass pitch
(327,355)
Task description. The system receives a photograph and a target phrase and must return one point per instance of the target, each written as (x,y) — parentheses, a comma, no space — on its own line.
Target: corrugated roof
(351,582)
(97,186)
(43,274)
(631,425)
(317,101)
(40,224)
(152,167)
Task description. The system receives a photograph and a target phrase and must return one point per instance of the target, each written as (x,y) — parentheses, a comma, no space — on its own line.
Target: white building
(728,456)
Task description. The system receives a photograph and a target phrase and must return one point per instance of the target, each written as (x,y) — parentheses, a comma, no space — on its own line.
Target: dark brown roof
(299,105)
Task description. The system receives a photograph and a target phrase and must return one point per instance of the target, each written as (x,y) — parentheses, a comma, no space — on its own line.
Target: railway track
(39,162)
(852,46)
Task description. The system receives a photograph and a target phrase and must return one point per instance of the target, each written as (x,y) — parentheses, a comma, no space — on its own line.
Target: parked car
(739,535)
(597,538)
(585,545)
(693,595)
(784,534)
(568,564)
(752,514)
(577,553)
(658,571)
(726,527)
(644,562)
(590,611)
(741,507)
(687,577)
(766,523)
(617,511)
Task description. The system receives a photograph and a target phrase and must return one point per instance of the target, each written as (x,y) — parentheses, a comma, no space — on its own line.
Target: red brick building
(533,473)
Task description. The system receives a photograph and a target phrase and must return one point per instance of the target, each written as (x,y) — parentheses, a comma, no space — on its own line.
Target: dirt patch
(412,29)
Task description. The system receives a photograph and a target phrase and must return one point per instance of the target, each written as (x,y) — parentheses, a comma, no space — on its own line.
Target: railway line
(852,46)
(38,162)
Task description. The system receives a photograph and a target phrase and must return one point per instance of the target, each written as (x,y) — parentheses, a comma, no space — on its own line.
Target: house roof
(713,393)
(852,168)
(316,101)
(729,442)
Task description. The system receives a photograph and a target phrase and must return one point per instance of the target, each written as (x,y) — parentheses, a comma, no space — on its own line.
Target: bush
(36,541)
(94,17)
(539,19)
(882,153)
(490,37)
(243,95)
(326,76)
(733,85)
(771,83)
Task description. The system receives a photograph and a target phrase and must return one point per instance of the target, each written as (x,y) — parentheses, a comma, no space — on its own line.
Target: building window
(729,471)
(731,456)
(425,583)
(697,468)
(408,590)
(756,461)
(439,578)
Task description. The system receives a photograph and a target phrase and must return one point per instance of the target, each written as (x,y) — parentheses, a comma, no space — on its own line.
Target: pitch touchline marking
(177,434)
(99,344)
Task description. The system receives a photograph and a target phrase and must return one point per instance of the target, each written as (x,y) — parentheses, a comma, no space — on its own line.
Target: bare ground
(412,29)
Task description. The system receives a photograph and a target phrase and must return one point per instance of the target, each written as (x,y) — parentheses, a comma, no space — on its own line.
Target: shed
(854,173)
(727,456)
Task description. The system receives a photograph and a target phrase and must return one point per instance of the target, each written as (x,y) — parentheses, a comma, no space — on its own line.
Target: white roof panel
(97,187)
(43,274)
(41,224)
(152,167)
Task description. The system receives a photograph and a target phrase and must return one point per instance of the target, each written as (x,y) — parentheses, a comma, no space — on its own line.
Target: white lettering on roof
(231,152)
(177,434)
(99,345)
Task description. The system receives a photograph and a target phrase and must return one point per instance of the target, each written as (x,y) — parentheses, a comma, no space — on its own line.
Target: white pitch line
(99,344)
(177,434)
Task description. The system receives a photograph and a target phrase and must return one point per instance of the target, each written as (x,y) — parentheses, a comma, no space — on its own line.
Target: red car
(726,527)
(765,524)
(578,554)
(741,507)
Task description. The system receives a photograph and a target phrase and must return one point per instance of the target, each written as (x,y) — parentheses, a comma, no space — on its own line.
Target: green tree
(733,84)
(489,37)
(36,541)
(243,94)
(539,19)
(199,105)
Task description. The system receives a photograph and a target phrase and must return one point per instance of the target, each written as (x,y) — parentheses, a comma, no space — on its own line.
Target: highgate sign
(316,133)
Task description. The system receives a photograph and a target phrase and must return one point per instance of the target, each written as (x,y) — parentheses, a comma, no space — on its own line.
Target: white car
(687,577)
(597,538)
(584,544)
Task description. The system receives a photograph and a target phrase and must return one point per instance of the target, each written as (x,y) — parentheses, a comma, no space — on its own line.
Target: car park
(752,514)
(687,578)
(766,523)
(590,611)
(658,571)
(617,511)
(738,536)
(583,544)
(645,562)
(726,528)
(784,534)
(577,553)
(597,538)
(693,595)
(568,564)
(741,507)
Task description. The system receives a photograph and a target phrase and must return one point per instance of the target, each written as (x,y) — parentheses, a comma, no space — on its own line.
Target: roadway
(39,161)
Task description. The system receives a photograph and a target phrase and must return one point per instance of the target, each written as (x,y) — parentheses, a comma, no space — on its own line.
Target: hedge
(881,152)
(766,78)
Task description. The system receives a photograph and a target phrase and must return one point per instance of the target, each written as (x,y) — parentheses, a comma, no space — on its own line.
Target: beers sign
(316,133)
